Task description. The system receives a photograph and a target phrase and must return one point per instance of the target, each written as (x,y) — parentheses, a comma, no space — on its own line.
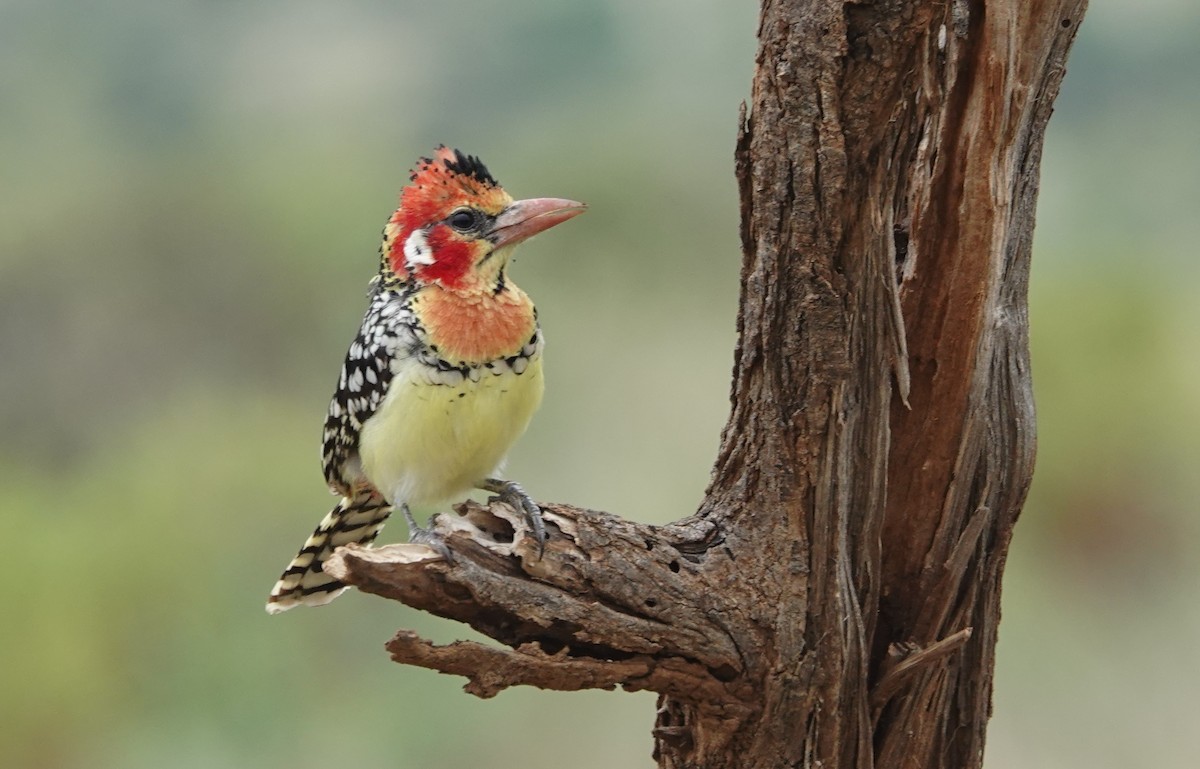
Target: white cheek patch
(417,250)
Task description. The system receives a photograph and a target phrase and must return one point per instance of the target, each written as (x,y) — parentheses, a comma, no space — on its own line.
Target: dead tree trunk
(835,600)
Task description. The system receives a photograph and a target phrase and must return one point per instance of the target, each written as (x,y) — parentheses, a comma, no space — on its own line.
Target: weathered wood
(610,602)
(834,602)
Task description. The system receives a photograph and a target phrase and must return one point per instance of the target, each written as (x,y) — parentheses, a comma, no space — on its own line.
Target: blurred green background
(190,201)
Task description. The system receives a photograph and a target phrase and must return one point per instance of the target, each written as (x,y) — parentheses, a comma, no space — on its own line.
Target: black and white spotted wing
(388,330)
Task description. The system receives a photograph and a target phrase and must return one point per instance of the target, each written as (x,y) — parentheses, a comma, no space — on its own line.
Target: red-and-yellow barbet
(444,374)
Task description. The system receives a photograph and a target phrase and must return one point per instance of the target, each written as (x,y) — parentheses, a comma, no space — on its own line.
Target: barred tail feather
(356,519)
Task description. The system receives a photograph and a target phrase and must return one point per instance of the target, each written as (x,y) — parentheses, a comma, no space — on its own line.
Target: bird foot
(511,493)
(419,535)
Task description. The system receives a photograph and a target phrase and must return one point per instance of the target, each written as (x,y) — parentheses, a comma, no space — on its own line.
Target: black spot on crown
(469,165)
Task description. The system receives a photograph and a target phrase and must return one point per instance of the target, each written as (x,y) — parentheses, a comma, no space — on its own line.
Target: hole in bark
(674,566)
(900,238)
(1066,23)
(649,544)
(498,529)
(652,602)
(502,531)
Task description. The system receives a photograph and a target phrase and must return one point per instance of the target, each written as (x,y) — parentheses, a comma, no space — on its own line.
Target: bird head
(456,227)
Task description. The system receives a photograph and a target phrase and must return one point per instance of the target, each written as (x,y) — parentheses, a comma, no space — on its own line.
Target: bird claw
(419,535)
(511,493)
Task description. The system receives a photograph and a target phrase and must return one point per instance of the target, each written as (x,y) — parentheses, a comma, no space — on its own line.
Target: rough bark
(834,602)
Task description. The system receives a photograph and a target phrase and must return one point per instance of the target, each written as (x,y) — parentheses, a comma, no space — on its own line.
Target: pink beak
(526,218)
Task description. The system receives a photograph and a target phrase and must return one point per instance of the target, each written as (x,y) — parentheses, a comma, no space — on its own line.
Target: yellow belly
(430,443)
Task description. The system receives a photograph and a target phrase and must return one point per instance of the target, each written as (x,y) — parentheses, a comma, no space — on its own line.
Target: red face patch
(453,257)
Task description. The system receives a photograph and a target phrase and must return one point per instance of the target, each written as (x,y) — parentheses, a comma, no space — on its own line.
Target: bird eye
(464,220)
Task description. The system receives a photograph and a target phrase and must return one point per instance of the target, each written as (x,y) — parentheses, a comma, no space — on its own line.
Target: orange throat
(476,327)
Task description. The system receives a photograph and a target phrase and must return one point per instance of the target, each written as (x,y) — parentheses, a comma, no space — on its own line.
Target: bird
(444,374)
